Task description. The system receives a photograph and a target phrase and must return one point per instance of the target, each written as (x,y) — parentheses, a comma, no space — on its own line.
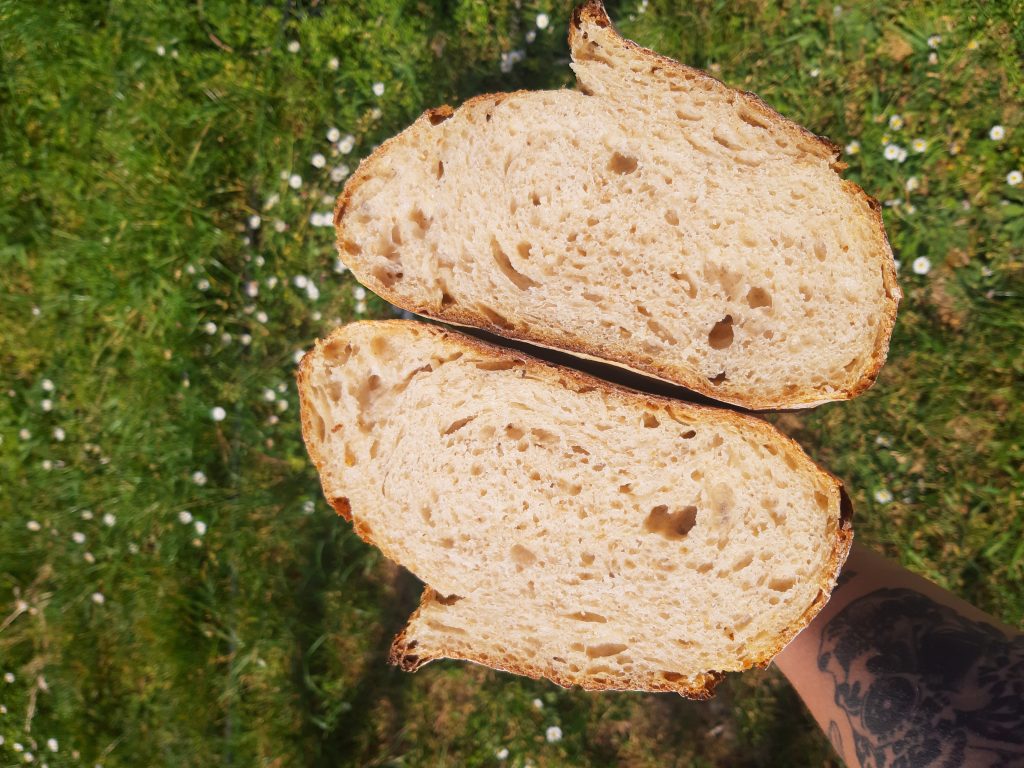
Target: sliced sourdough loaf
(567,528)
(654,218)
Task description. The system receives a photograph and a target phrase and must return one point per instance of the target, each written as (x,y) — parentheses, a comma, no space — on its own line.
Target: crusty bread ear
(654,218)
(568,528)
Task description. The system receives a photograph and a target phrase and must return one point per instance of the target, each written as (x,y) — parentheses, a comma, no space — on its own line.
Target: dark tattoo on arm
(922,685)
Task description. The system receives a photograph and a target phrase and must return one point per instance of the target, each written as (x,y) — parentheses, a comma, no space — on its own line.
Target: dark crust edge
(569,378)
(593,11)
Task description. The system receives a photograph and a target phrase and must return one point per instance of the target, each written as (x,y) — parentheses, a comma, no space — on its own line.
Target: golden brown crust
(623,355)
(404,652)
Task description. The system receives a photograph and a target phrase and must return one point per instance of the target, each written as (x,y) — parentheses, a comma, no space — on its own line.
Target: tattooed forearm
(921,685)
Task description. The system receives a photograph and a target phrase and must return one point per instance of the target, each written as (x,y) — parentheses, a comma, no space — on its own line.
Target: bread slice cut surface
(654,218)
(567,528)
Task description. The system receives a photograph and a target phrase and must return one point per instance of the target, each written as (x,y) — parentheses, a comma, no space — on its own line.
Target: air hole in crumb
(518,279)
(447,600)
(535,198)
(758,297)
(496,365)
(622,164)
(440,168)
(605,649)
(595,618)
(650,421)
(672,218)
(721,335)
(671,677)
(438,116)
(705,567)
(781,585)
(820,252)
(447,542)
(426,514)
(626,488)
(718,379)
(689,434)
(821,499)
(419,219)
(523,249)
(495,318)
(521,556)
(751,119)
(743,562)
(671,525)
(456,425)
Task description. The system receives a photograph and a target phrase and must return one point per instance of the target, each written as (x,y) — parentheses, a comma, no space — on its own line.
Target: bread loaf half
(654,218)
(567,528)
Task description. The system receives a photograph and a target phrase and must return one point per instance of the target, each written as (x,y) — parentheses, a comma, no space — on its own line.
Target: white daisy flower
(133,548)
(308,506)
(47,385)
(217,413)
(911,184)
(98,598)
(16,746)
(47,465)
(261,317)
(86,514)
(538,704)
(954,148)
(318,160)
(333,135)
(315,317)
(901,156)
(378,88)
(1013,178)
(338,173)
(996,133)
(333,63)
(269,395)
(361,307)
(553,734)
(919,145)
(210,327)
(933,58)
(282,387)
(891,152)
(89,557)
(200,527)
(255,221)
(272,419)
(203,285)
(199,477)
(316,219)
(185,517)
(934,40)
(252,289)
(52,745)
(295,181)
(883,496)
(896,122)
(58,434)
(347,144)
(297,357)
(853,147)
(542,21)
(300,281)
(359,293)
(280,226)
(24,434)
(160,50)
(271,283)
(46,404)
(340,268)
(814,73)
(245,339)
(8,677)
(502,754)
(109,520)
(294,46)
(312,292)
(78,537)
(531,35)
(33,526)
(375,114)
(922,265)
(282,405)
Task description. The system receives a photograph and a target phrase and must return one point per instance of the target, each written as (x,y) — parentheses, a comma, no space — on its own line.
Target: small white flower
(299,354)
(542,21)
(282,405)
(269,395)
(78,537)
(954,148)
(271,283)
(46,404)
(896,122)
(293,46)
(98,598)
(24,434)
(133,548)
(315,317)
(996,133)
(217,413)
(282,387)
(911,184)
(308,506)
(883,496)
(338,173)
(934,40)
(300,281)
(933,58)
(502,754)
(378,88)
(200,527)
(203,285)
(252,289)
(261,317)
(59,434)
(341,269)
(272,419)
(109,520)
(919,145)
(1013,178)
(891,152)
(359,292)
(33,525)
(375,114)
(52,745)
(333,63)
(89,557)
(318,160)
(972,45)
(255,221)
(199,477)
(922,265)
(553,734)
(47,465)
(47,385)
(210,327)
(185,517)
(160,50)
(531,35)
(347,144)
(361,307)
(295,181)
(312,292)
(910,209)
(8,677)
(316,219)
(280,226)
(538,704)
(333,134)
(853,147)
(245,339)
(901,156)
(814,73)
(86,514)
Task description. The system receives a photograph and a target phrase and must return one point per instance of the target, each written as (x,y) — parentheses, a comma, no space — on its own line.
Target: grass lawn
(174,591)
